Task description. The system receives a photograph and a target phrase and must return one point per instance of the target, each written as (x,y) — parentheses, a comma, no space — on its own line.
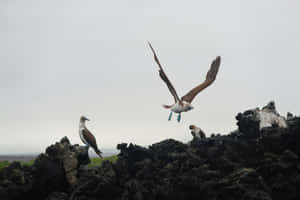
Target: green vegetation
(6,163)
(96,162)
(29,163)
(3,164)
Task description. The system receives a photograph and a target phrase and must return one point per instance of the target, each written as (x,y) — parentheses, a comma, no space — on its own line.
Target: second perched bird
(87,137)
(197,132)
(184,104)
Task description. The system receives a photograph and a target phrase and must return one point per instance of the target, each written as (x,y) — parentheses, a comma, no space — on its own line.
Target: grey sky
(60,59)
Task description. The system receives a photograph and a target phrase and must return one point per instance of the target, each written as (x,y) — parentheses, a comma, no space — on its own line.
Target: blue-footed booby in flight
(87,137)
(184,104)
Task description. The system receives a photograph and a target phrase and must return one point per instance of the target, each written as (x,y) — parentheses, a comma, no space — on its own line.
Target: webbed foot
(179,117)
(170,116)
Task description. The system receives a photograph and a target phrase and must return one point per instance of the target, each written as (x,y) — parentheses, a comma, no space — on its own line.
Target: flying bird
(183,104)
(87,137)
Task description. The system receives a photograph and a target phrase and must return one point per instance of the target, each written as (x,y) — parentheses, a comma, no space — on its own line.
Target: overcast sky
(60,59)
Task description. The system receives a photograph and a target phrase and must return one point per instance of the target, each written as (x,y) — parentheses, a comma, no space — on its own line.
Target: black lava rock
(251,163)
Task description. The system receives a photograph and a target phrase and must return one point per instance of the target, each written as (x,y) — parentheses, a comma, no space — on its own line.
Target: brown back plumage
(90,139)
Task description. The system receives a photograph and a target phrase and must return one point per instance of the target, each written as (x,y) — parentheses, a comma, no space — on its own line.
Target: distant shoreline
(29,157)
(24,158)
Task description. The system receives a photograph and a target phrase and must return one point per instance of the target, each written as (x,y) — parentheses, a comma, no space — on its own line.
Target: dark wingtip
(217,61)
(150,45)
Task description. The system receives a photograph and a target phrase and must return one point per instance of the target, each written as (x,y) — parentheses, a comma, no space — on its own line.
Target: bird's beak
(88,119)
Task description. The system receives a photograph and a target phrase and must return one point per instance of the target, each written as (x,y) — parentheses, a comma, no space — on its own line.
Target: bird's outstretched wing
(163,76)
(210,78)
(89,138)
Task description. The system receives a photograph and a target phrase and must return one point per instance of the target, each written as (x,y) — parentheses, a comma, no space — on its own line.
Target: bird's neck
(81,124)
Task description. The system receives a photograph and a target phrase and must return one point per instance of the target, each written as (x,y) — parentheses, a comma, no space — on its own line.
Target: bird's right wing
(210,78)
(89,137)
(163,76)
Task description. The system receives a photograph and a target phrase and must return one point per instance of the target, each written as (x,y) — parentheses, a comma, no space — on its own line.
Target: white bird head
(83,119)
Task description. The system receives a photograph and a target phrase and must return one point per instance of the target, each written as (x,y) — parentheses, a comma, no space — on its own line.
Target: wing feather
(163,75)
(210,78)
(89,137)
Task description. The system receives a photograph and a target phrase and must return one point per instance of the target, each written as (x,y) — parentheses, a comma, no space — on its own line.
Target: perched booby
(184,104)
(197,132)
(87,137)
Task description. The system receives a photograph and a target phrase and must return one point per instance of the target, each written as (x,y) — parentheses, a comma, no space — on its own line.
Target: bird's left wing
(210,78)
(163,76)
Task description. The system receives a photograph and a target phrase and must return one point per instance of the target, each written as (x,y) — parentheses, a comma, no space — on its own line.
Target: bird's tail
(99,153)
(167,106)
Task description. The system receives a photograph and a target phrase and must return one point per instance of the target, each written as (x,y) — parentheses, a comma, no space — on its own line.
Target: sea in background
(29,157)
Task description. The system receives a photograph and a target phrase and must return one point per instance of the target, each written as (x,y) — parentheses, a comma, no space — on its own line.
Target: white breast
(81,128)
(177,108)
(197,132)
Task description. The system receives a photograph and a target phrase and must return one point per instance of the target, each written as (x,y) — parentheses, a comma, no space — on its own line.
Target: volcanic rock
(254,162)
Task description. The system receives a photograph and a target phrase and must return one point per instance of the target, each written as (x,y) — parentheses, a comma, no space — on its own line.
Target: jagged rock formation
(252,121)
(251,163)
(54,170)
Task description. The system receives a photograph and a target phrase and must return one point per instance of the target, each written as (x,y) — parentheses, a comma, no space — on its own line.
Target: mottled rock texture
(251,163)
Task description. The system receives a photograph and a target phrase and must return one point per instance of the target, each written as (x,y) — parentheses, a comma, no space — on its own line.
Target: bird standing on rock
(87,137)
(184,104)
(197,132)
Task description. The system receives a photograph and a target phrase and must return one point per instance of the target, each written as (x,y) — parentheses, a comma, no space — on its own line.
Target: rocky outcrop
(251,163)
(53,171)
(252,121)
(15,181)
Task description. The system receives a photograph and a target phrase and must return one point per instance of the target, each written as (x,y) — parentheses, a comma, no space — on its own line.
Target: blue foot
(170,116)
(179,117)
